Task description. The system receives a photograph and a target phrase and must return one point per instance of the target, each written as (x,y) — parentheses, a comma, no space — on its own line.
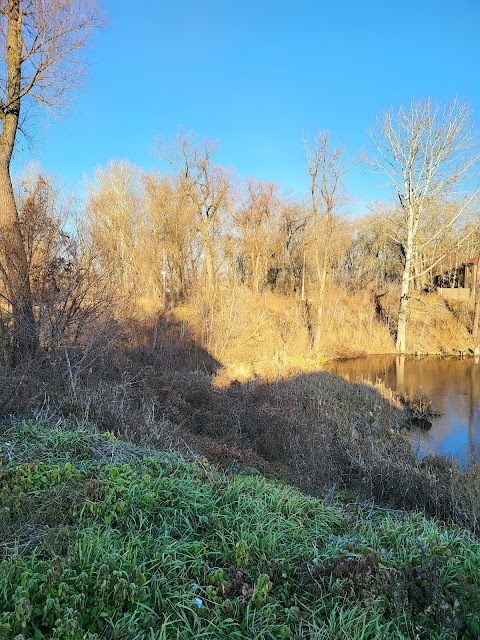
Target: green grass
(102,539)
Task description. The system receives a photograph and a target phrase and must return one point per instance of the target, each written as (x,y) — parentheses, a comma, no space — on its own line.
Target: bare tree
(114,213)
(373,256)
(254,223)
(40,42)
(206,188)
(68,296)
(286,249)
(428,153)
(174,245)
(327,169)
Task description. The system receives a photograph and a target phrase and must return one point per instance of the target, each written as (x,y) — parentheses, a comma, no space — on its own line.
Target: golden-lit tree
(254,221)
(205,188)
(66,292)
(373,257)
(115,215)
(428,153)
(287,246)
(174,247)
(327,169)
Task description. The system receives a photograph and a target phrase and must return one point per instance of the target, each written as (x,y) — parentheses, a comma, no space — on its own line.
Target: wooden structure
(459,283)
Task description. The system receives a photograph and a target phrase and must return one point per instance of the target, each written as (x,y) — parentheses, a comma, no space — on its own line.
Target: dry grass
(270,336)
(432,327)
(351,324)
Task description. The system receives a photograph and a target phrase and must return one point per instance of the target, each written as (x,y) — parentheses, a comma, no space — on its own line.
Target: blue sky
(257,75)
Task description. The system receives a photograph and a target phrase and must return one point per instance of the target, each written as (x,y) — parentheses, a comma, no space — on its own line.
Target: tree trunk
(321,299)
(14,268)
(256,272)
(209,265)
(402,308)
(303,278)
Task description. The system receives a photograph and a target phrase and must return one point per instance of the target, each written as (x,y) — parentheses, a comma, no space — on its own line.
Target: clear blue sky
(257,75)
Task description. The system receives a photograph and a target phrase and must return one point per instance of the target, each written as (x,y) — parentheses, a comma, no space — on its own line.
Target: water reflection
(452,384)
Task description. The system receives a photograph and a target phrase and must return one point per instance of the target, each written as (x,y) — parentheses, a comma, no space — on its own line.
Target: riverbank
(276,340)
(104,538)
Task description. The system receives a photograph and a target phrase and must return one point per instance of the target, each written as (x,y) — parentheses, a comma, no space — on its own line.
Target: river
(452,384)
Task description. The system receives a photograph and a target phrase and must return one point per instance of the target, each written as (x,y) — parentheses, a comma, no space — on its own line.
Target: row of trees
(163,235)
(144,236)
(197,222)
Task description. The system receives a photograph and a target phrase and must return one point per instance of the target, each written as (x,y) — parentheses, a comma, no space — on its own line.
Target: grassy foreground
(102,539)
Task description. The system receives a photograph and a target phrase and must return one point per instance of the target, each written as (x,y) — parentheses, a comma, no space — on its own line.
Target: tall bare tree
(173,239)
(114,213)
(428,152)
(253,220)
(287,248)
(327,169)
(205,187)
(40,41)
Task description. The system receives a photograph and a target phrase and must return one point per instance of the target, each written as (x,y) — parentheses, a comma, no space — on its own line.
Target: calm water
(453,386)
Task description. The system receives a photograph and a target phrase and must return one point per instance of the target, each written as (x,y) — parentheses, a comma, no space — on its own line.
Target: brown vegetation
(436,326)
(318,431)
